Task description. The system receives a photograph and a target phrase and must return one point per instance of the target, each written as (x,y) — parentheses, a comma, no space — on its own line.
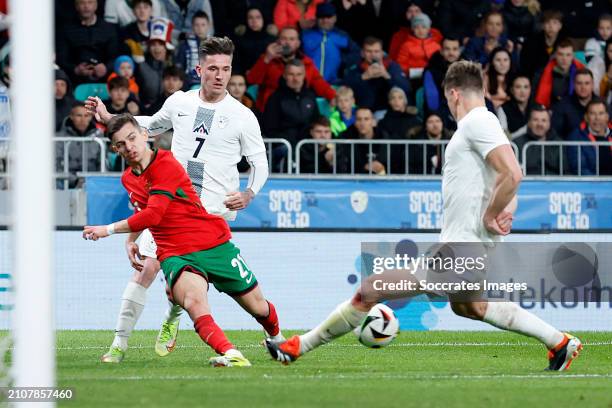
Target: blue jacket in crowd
(588,154)
(330,51)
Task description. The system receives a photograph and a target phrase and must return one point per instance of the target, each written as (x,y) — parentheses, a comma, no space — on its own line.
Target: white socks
(132,303)
(173,313)
(509,316)
(341,321)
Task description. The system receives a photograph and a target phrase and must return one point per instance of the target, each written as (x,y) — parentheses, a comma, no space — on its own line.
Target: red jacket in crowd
(411,52)
(287,13)
(267,76)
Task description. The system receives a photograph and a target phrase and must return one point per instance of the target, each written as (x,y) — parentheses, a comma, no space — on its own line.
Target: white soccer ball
(379,328)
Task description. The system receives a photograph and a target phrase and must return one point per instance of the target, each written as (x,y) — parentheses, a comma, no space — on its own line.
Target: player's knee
(195,303)
(473,310)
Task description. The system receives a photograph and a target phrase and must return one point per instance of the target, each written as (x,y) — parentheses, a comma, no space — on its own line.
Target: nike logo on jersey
(180,115)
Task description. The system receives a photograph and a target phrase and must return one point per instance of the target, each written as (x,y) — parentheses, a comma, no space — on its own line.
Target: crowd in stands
(355,69)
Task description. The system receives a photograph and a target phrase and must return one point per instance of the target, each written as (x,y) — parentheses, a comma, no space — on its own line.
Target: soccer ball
(379,328)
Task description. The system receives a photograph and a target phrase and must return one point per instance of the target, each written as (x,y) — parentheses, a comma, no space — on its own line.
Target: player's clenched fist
(133,253)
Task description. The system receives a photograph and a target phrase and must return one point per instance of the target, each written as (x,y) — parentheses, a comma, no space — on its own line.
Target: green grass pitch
(419,369)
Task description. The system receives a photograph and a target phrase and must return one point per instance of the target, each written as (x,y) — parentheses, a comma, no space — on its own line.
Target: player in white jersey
(212,131)
(480,179)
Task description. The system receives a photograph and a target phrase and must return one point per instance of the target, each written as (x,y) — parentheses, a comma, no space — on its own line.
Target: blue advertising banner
(377,204)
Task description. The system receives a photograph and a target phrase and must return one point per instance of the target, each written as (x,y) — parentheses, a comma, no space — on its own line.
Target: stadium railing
(269,142)
(563,156)
(404,147)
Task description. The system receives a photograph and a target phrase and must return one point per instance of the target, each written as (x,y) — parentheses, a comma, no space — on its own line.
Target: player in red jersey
(188,239)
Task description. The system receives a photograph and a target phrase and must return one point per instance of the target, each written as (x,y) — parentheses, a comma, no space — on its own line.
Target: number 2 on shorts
(238,261)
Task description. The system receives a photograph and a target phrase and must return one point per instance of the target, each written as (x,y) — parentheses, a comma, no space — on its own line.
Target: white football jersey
(209,141)
(467,178)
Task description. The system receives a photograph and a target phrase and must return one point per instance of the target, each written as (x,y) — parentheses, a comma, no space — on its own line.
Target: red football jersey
(185,226)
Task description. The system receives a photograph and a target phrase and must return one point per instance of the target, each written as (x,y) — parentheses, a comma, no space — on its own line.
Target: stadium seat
(419,100)
(324,108)
(579,55)
(84,90)
(252,90)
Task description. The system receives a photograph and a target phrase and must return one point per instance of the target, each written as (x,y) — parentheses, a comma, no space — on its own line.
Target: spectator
(124,67)
(596,46)
(181,12)
(296,13)
(433,76)
(539,130)
(539,48)
(343,114)
(556,80)
(290,110)
(374,76)
(173,79)
(87,48)
(137,32)
(602,74)
(460,18)
(398,124)
(63,97)
(238,9)
(367,159)
(521,17)
(237,88)
(581,15)
(434,130)
(158,57)
(398,121)
(414,52)
(569,112)
(270,66)
(498,75)
(187,56)
(120,100)
(595,128)
(81,156)
(513,114)
(323,162)
(381,18)
(251,41)
(119,11)
(480,47)
(330,48)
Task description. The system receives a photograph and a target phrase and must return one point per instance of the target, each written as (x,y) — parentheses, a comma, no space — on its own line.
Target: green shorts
(222,266)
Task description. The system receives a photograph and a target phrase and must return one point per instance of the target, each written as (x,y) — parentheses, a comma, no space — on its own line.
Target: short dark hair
(77,104)
(118,82)
(320,121)
(200,14)
(604,17)
(371,40)
(564,43)
(539,108)
(137,2)
(173,71)
(552,14)
(296,62)
(595,101)
(216,46)
(464,75)
(119,121)
(451,38)
(583,71)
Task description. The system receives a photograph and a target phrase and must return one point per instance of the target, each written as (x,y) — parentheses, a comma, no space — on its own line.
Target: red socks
(212,334)
(270,323)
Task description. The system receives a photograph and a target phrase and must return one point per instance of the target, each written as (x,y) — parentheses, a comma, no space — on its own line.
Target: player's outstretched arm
(95,232)
(498,215)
